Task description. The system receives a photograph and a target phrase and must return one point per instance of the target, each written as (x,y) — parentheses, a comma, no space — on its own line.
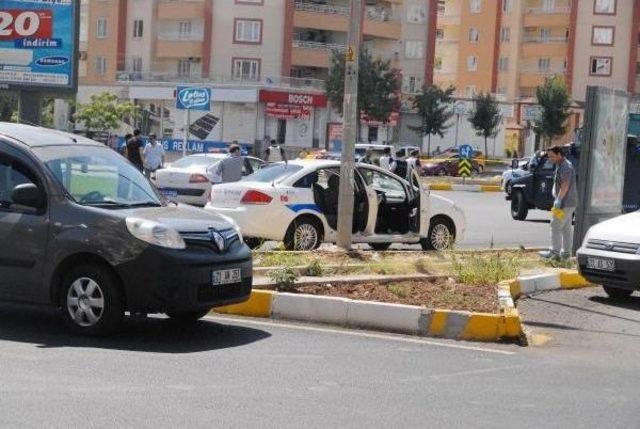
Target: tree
(378,86)
(485,118)
(554,101)
(105,113)
(434,107)
(8,106)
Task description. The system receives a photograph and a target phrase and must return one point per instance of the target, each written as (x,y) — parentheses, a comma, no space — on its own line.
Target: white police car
(297,203)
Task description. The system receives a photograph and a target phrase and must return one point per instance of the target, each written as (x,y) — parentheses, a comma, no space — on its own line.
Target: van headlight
(155,233)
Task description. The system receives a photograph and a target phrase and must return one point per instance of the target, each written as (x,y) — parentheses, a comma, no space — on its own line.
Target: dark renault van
(83,230)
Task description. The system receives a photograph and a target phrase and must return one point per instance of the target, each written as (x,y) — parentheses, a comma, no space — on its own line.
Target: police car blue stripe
(299,207)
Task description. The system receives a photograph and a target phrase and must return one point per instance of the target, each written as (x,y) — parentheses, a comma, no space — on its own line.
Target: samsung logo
(52,61)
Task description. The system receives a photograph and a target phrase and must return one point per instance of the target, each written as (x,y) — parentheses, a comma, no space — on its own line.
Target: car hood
(625,229)
(182,217)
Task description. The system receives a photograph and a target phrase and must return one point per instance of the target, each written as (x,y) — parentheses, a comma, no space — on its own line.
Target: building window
(637,68)
(101,29)
(604,7)
(470,91)
(138,28)
(474,34)
(101,65)
(503,64)
(184,30)
(412,84)
(601,66)
(416,13)
(414,49)
(506,6)
(248,31)
(544,64)
(548,5)
(441,7)
(545,34)
(439,34)
(246,69)
(505,34)
(475,6)
(602,36)
(251,2)
(136,64)
(472,63)
(184,67)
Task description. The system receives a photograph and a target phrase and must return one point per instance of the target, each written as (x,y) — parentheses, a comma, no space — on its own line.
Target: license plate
(601,264)
(168,193)
(225,277)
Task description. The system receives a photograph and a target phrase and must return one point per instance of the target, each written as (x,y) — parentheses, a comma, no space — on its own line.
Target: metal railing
(544,39)
(547,71)
(177,37)
(129,76)
(371,13)
(319,45)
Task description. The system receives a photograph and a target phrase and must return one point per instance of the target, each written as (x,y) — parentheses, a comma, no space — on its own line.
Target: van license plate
(225,277)
(169,193)
(601,264)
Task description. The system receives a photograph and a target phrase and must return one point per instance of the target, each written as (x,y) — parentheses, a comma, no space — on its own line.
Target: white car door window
(391,187)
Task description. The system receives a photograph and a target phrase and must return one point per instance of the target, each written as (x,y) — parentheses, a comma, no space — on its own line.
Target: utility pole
(350,123)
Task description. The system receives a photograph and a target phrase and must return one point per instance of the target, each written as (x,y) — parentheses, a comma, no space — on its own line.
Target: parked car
(189,179)
(610,255)
(83,230)
(297,203)
(377,150)
(446,167)
(519,168)
(452,152)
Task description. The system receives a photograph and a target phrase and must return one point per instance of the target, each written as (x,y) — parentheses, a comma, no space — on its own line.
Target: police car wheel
(303,234)
(508,188)
(441,235)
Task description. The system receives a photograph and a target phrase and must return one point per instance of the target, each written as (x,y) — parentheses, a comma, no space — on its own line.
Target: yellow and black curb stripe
(408,319)
(464,188)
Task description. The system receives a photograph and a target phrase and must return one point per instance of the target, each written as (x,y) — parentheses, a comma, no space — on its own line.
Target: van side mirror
(514,164)
(28,195)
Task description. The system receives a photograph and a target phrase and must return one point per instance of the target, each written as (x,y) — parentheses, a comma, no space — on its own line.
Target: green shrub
(398,290)
(314,269)
(486,269)
(285,278)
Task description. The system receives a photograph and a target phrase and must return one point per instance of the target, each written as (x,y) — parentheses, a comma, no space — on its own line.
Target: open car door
(420,206)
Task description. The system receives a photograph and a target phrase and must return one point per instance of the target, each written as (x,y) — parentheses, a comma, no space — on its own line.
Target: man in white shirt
(153,156)
(386,160)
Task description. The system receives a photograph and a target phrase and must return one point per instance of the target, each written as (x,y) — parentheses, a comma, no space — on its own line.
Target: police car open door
(419,206)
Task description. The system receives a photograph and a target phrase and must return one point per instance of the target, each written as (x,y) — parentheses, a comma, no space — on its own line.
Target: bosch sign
(294,98)
(189,98)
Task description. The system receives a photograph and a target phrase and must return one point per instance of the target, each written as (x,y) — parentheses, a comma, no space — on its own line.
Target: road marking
(362,334)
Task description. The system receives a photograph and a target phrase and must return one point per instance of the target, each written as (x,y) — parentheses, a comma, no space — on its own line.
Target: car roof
(31,136)
(371,146)
(208,155)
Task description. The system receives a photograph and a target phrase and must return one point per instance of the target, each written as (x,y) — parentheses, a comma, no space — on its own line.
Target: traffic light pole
(350,123)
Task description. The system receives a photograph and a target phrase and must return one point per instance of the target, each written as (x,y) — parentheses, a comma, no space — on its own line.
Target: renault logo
(217,238)
(608,246)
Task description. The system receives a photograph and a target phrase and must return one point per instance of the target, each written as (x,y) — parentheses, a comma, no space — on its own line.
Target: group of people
(402,165)
(147,157)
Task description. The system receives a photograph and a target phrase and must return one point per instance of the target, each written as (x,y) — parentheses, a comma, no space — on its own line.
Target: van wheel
(508,188)
(91,300)
(519,209)
(303,234)
(617,293)
(441,235)
(187,317)
(380,246)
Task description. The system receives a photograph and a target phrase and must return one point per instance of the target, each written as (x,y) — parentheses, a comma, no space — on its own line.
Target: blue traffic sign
(193,98)
(466,151)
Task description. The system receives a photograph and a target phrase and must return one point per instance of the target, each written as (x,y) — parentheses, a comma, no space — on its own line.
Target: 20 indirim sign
(39,44)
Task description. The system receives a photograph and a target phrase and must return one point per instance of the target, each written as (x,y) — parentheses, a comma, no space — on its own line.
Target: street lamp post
(350,122)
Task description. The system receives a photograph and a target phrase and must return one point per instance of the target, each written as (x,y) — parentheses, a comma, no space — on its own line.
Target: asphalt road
(251,373)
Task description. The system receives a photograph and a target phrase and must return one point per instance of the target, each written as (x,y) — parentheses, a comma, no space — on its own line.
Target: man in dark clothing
(135,146)
(274,153)
(401,166)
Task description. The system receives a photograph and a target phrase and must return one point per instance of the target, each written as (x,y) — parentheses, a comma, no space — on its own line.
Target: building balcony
(447,41)
(546,40)
(179,48)
(314,54)
(557,17)
(533,79)
(449,19)
(181,9)
(329,17)
(544,50)
(557,10)
(164,78)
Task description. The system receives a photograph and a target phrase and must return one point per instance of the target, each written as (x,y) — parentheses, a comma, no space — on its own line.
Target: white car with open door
(189,179)
(297,203)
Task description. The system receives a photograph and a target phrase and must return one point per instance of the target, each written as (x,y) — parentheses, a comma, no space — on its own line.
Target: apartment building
(254,54)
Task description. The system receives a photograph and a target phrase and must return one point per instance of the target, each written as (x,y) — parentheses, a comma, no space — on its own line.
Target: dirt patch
(437,293)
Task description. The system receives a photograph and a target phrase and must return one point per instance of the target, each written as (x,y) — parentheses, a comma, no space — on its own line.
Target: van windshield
(100,177)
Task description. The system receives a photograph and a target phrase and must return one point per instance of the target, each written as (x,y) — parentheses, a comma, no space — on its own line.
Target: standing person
(564,205)
(367,159)
(134,150)
(274,153)
(122,150)
(400,166)
(413,163)
(230,168)
(386,160)
(153,156)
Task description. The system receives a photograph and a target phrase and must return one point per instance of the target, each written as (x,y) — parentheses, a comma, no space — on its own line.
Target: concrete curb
(465,188)
(266,283)
(506,324)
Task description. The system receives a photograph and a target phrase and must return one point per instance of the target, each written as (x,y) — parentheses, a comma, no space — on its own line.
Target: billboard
(193,98)
(39,44)
(602,158)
